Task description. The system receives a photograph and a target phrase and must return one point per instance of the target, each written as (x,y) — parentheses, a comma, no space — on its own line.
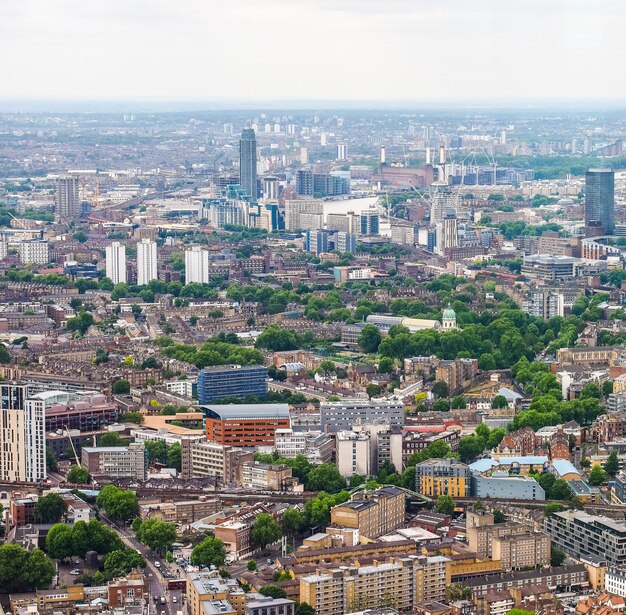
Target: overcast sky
(249,50)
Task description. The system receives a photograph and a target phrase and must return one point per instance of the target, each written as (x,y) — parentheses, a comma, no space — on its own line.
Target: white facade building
(146,261)
(197,265)
(116,262)
(34,251)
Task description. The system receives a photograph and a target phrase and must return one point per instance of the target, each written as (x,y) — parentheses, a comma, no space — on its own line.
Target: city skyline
(536,51)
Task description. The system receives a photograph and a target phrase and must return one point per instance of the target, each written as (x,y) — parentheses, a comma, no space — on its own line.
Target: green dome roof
(449,312)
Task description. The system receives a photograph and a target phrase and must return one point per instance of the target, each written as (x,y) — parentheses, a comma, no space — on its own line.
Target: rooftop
(246,411)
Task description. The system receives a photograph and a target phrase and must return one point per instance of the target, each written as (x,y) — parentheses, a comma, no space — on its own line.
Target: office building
(435,477)
(372,513)
(342,151)
(271,188)
(321,184)
(317,241)
(247,163)
(268,477)
(183,512)
(22,436)
(501,485)
(116,461)
(314,445)
(221,381)
(68,206)
(599,202)
(34,252)
(295,210)
(345,242)
(343,415)
(196,265)
(369,222)
(354,453)
(245,425)
(582,535)
(550,268)
(448,233)
(116,262)
(146,262)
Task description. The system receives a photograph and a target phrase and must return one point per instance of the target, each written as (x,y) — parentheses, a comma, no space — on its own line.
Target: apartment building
(401,581)
(343,415)
(203,587)
(271,606)
(480,536)
(183,512)
(235,531)
(268,477)
(201,459)
(435,477)
(116,461)
(582,535)
(521,551)
(222,381)
(373,513)
(314,445)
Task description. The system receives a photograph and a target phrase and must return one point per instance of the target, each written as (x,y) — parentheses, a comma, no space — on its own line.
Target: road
(158,584)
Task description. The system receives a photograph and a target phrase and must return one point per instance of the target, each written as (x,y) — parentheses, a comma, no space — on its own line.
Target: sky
(351,50)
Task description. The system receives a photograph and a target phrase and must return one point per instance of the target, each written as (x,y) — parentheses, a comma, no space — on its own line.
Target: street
(158,584)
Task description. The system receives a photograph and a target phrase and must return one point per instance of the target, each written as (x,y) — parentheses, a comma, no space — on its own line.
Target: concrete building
(501,485)
(373,513)
(268,477)
(582,535)
(599,201)
(184,512)
(34,251)
(201,459)
(221,381)
(615,581)
(354,453)
(522,551)
(245,425)
(22,436)
(344,414)
(68,205)
(146,261)
(435,477)
(116,262)
(295,209)
(247,163)
(116,461)
(197,265)
(314,445)
(404,581)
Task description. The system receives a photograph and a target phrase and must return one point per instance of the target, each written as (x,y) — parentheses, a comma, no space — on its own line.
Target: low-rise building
(268,477)
(435,477)
(116,461)
(183,512)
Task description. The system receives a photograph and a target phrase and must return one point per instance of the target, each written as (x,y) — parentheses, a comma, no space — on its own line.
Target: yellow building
(207,586)
(435,477)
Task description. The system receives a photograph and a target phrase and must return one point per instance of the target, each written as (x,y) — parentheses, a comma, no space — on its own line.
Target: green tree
(120,562)
(272,591)
(470,447)
(304,608)
(24,571)
(132,417)
(5,355)
(78,475)
(293,521)
(445,505)
(373,390)
(597,476)
(607,388)
(251,565)
(557,557)
(119,504)
(50,508)
(110,438)
(210,552)
(121,387)
(458,402)
(325,477)
(174,456)
(157,535)
(440,389)
(553,507)
(385,365)
(52,464)
(265,530)
(611,467)
(277,339)
(499,401)
(60,542)
(156,451)
(370,339)
(498,516)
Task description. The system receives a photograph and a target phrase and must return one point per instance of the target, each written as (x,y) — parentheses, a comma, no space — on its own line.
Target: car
(162,599)
(270,562)
(156,598)
(174,599)
(157,564)
(75,572)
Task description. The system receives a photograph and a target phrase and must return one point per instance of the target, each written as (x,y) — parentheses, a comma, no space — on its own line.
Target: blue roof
(483,465)
(486,464)
(509,394)
(562,467)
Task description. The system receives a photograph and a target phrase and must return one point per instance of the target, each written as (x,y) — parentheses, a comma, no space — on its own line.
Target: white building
(197,265)
(22,436)
(34,251)
(615,581)
(181,387)
(146,261)
(354,454)
(116,262)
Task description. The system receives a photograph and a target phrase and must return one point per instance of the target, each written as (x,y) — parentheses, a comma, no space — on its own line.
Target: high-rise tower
(68,205)
(247,163)
(116,262)
(599,202)
(146,261)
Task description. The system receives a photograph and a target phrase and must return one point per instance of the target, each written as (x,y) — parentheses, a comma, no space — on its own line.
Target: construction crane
(95,200)
(67,433)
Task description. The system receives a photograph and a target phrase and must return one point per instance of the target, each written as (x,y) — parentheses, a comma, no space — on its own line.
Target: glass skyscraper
(247,163)
(600,201)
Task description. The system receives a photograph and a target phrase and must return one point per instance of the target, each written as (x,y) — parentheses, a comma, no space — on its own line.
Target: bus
(177,584)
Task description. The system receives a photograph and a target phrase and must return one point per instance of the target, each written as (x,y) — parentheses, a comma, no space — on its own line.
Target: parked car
(75,572)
